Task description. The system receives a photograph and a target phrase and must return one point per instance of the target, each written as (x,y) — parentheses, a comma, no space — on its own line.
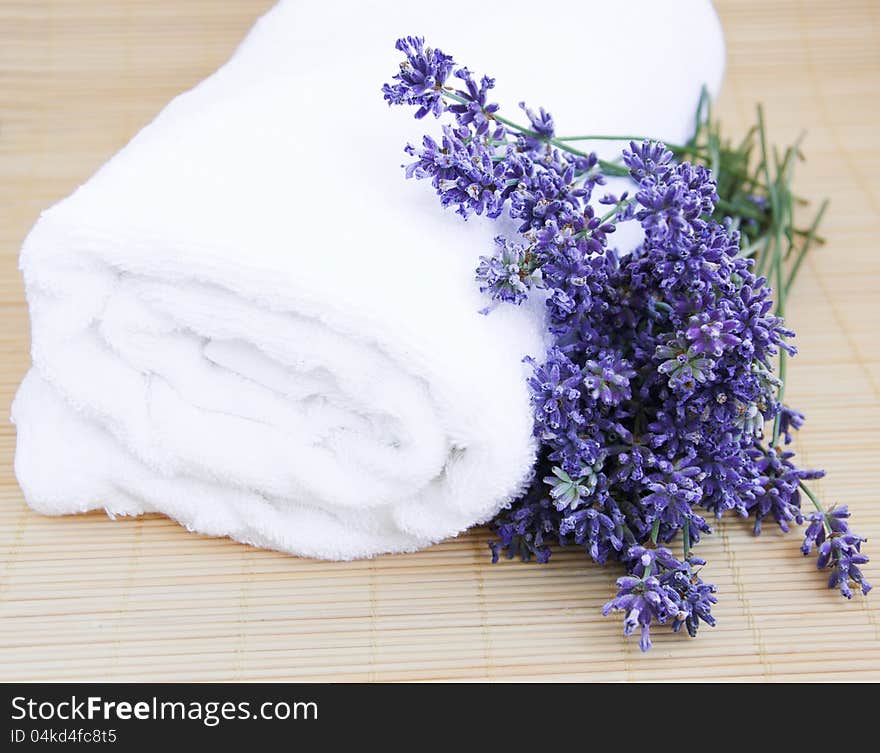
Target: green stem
(655,530)
(601,138)
(808,240)
(777,422)
(680,148)
(609,168)
(774,251)
(686,538)
(817,504)
(609,215)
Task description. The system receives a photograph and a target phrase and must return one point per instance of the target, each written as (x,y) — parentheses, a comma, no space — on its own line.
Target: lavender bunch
(652,403)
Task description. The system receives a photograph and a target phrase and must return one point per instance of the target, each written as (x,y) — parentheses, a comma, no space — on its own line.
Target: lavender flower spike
(505,276)
(421,78)
(644,600)
(839,549)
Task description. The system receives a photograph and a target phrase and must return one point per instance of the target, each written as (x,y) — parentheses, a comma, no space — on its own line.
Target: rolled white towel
(249,321)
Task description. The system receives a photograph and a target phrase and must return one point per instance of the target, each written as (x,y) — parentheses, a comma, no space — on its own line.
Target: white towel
(248,320)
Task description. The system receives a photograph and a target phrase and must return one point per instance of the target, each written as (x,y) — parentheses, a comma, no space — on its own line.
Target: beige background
(88,598)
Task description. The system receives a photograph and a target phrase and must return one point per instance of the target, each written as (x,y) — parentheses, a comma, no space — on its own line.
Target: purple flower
(646,160)
(789,420)
(567,492)
(477,112)
(684,365)
(505,276)
(437,161)
(778,495)
(712,334)
(673,196)
(608,379)
(645,600)
(841,554)
(527,529)
(695,601)
(643,560)
(421,78)
(839,549)
(541,124)
(463,174)
(596,530)
(673,495)
(556,394)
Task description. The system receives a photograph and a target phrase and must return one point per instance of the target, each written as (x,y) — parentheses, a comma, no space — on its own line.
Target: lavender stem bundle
(668,366)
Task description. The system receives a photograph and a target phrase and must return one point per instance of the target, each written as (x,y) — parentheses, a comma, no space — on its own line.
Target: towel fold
(249,321)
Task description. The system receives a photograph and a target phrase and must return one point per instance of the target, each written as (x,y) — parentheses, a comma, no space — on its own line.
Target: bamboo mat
(86,598)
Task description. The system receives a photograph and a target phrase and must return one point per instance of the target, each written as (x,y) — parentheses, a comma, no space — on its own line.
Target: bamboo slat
(86,598)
